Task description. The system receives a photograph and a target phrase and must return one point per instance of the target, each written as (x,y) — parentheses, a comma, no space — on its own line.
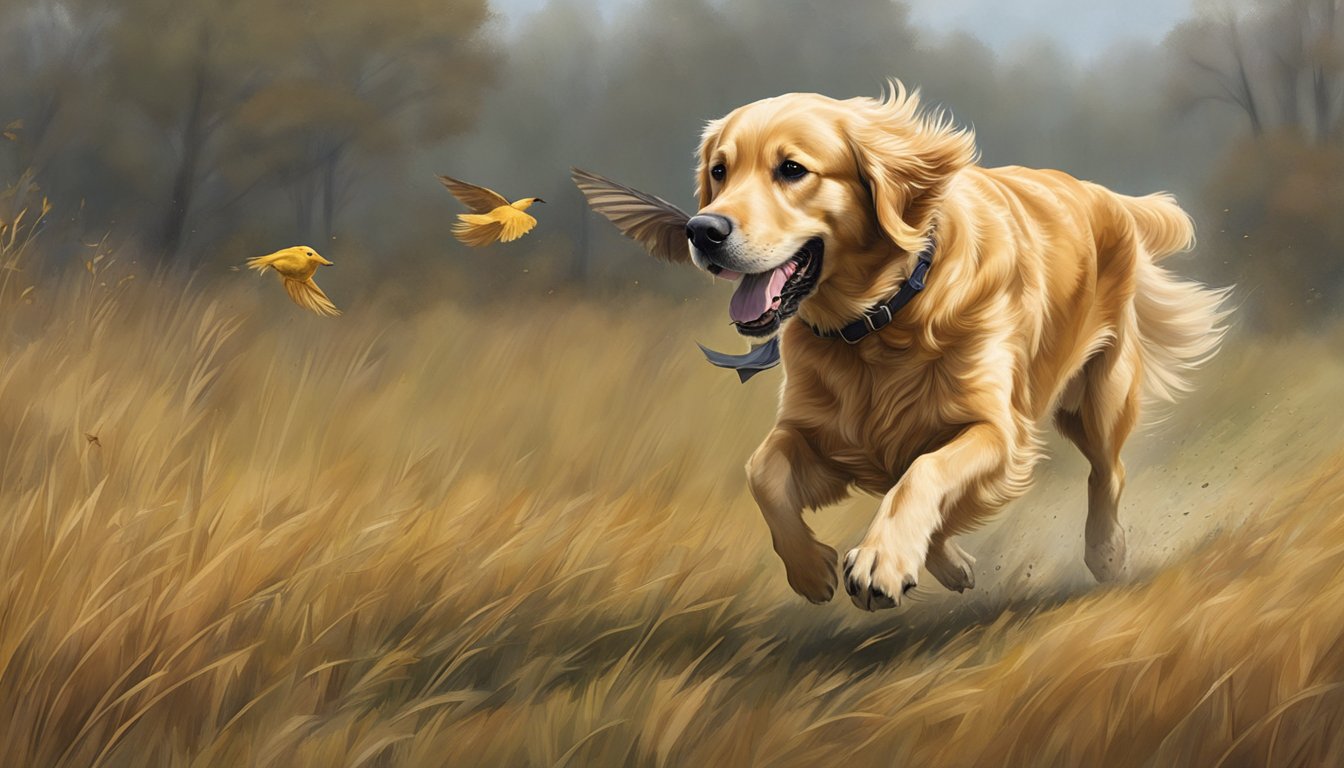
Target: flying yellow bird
(492,217)
(296,267)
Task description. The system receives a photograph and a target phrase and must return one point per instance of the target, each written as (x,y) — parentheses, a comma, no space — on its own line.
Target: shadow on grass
(774,648)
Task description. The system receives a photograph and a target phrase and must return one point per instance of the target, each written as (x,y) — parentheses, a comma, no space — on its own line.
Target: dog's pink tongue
(756,294)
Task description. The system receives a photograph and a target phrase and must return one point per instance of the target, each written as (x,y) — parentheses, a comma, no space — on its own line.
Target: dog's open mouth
(765,300)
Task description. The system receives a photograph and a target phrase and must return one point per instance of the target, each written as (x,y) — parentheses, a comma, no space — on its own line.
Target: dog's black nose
(707,231)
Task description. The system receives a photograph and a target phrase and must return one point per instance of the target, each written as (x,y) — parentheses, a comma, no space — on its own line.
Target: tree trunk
(1320,91)
(1244,82)
(1291,109)
(1290,60)
(184,179)
(1320,81)
(37,133)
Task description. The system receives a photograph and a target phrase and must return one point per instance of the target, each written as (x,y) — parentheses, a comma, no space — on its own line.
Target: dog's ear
(906,158)
(651,221)
(708,140)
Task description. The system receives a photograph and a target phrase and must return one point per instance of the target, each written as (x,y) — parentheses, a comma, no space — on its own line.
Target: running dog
(931,314)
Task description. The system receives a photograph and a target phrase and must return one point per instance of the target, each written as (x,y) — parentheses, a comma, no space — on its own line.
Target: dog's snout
(707,231)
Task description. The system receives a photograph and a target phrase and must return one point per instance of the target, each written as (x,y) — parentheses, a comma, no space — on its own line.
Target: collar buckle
(916,278)
(880,312)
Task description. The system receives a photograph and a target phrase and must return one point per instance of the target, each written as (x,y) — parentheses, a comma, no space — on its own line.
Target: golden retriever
(1044,298)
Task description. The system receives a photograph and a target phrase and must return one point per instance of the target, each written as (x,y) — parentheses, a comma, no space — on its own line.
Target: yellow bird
(492,217)
(296,267)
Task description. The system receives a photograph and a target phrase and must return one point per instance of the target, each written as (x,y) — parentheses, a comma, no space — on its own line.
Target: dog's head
(803,199)
(802,194)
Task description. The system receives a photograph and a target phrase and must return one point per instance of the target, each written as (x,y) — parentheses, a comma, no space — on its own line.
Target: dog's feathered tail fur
(1180,322)
(1163,227)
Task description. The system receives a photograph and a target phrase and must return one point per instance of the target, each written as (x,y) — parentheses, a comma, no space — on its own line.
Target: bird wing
(515,224)
(478,199)
(306,294)
(651,221)
(477,229)
(261,263)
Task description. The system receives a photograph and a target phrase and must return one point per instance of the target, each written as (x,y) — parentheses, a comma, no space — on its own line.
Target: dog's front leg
(785,477)
(886,563)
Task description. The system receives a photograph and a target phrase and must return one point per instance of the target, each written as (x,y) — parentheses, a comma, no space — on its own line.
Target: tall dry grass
(504,537)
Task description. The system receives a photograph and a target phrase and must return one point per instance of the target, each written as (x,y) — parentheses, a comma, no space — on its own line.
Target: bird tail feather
(477,229)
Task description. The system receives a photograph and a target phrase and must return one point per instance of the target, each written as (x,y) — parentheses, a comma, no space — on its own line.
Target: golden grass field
(458,535)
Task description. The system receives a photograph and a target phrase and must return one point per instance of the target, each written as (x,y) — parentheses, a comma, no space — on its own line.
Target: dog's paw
(875,579)
(952,566)
(812,574)
(1105,555)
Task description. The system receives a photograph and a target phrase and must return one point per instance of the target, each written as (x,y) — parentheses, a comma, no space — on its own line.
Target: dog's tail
(1163,226)
(1180,322)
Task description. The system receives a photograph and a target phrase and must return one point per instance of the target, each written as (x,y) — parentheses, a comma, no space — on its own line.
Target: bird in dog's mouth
(763,301)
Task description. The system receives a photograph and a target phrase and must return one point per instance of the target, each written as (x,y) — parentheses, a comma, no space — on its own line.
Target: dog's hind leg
(1101,420)
(786,477)
(951,565)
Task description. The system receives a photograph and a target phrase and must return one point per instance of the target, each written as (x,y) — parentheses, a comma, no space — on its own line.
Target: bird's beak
(326,263)
(539,200)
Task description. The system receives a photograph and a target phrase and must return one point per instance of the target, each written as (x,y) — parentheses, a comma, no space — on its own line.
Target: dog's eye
(718,171)
(791,171)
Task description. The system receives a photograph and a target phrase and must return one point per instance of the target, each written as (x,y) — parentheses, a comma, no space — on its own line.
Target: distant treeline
(205,129)
(185,123)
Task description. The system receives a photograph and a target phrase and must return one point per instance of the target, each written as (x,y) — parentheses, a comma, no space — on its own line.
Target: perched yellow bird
(492,217)
(296,267)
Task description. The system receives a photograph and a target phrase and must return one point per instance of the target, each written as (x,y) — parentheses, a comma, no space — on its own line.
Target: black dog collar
(880,316)
(765,356)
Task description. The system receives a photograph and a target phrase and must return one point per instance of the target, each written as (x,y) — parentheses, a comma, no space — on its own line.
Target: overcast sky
(1084,27)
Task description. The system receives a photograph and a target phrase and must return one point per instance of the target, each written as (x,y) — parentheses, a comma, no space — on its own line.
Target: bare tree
(375,80)
(1275,53)
(48,50)
(1323,56)
(185,67)
(1217,67)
